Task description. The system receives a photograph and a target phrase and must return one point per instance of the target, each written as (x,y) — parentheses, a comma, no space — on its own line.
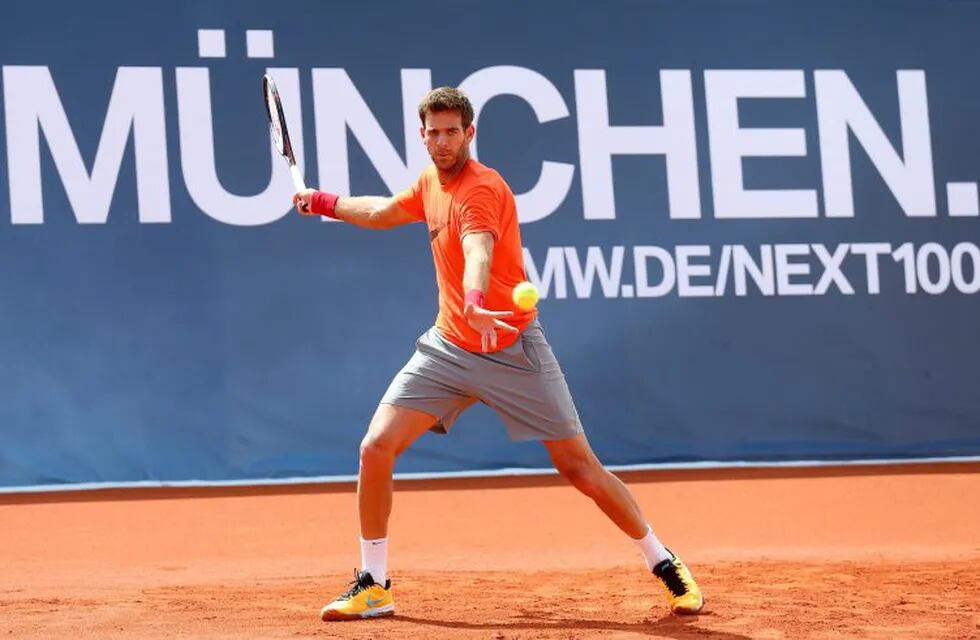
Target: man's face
(448,143)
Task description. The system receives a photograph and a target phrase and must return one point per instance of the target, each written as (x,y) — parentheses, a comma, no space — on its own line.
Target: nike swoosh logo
(435,232)
(373,603)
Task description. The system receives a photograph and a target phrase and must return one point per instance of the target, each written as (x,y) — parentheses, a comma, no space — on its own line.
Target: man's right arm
(371,212)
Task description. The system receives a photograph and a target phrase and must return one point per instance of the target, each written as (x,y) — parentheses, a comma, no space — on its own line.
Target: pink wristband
(473,296)
(324,204)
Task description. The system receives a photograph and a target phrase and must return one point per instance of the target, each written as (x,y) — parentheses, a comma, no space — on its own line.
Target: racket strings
(275,125)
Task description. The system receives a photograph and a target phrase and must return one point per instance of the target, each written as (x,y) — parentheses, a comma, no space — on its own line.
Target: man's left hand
(486,323)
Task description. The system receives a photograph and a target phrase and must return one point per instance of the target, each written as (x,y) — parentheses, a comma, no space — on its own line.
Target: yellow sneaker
(682,592)
(364,599)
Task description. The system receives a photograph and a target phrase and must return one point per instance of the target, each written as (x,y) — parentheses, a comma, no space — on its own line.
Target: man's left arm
(478,257)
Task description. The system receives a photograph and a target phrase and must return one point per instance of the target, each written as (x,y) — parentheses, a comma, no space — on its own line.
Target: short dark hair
(447,99)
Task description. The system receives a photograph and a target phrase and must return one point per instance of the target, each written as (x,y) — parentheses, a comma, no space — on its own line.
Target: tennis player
(482,348)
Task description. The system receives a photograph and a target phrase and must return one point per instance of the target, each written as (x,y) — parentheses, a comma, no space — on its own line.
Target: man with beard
(482,348)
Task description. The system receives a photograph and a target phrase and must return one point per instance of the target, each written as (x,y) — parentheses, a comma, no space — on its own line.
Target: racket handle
(297,175)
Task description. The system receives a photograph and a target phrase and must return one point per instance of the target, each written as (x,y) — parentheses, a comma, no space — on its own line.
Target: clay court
(855,552)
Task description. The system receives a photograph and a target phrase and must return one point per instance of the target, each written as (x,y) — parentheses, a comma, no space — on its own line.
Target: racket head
(277,119)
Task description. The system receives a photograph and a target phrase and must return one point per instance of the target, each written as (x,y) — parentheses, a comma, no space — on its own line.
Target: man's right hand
(302,200)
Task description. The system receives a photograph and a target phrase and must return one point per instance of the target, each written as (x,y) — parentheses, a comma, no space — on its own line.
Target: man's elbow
(379,223)
(386,215)
(478,257)
(380,219)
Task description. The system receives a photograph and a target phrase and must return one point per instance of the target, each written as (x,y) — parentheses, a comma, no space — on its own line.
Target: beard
(450,162)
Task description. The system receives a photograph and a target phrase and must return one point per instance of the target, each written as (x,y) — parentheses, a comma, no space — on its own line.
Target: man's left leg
(576,462)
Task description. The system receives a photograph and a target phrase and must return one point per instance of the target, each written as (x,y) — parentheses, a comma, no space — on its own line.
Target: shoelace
(356,587)
(672,578)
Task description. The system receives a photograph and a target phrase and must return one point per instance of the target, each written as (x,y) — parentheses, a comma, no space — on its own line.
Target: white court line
(489,473)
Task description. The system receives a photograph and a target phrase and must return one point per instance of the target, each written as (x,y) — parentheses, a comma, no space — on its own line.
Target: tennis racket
(277,127)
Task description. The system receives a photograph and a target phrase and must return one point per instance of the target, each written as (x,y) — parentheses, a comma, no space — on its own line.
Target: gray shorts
(522,383)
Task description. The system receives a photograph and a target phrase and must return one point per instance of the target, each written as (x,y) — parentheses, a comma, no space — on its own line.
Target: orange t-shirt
(477,200)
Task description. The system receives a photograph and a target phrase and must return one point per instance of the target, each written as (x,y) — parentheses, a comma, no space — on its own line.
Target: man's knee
(391,431)
(584,474)
(377,450)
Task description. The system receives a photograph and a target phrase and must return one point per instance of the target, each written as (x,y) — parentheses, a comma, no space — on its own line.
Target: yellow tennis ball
(525,296)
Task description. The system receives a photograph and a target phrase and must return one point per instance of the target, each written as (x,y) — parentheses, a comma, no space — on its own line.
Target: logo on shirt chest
(439,217)
(434,232)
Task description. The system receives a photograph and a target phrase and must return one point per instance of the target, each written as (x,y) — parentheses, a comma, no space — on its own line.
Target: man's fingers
(488,333)
(472,309)
(503,325)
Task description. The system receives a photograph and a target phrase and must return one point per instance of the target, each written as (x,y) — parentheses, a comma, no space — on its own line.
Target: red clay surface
(840,553)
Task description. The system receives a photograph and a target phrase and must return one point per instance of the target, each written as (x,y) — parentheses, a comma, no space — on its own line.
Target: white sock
(374,559)
(653,551)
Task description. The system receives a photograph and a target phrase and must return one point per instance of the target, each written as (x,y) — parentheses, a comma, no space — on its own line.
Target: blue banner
(754,226)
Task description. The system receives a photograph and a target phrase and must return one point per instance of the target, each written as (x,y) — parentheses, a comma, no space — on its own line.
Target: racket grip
(297,175)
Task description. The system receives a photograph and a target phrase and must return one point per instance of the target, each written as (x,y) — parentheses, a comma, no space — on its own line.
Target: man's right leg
(392,430)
